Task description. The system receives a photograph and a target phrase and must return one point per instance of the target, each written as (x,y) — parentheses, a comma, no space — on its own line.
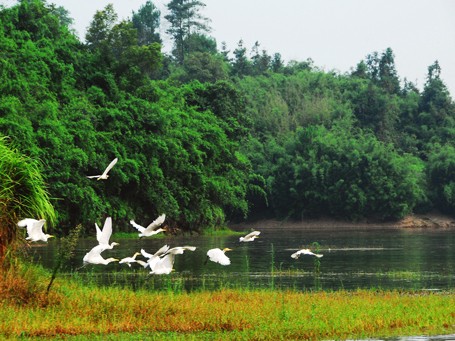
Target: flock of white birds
(161,262)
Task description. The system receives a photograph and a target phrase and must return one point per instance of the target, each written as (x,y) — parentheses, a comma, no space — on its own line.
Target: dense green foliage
(204,138)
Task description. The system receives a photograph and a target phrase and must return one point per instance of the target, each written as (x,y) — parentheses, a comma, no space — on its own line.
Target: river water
(416,259)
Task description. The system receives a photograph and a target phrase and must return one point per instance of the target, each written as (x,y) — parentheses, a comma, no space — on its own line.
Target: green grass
(79,312)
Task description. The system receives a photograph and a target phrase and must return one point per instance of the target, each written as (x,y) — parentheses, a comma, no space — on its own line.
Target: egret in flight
(104,176)
(297,254)
(34,229)
(129,260)
(165,264)
(218,256)
(153,258)
(104,235)
(94,256)
(250,237)
(152,228)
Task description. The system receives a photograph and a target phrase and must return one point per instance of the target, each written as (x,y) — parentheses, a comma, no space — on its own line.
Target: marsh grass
(114,313)
(22,194)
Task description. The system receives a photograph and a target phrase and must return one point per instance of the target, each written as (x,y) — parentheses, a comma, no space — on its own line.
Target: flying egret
(250,237)
(153,259)
(218,256)
(104,176)
(34,229)
(165,264)
(94,256)
(104,235)
(151,229)
(129,260)
(297,254)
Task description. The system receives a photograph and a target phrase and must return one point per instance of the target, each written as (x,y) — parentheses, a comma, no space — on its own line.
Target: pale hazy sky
(335,34)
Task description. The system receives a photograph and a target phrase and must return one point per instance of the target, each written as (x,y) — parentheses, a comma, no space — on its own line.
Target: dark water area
(421,259)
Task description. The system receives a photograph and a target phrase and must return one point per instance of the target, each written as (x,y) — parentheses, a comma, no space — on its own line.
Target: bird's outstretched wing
(157,222)
(109,167)
(253,234)
(137,226)
(27,223)
(104,235)
(36,229)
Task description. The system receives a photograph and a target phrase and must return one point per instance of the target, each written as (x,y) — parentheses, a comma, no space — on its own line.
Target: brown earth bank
(430,220)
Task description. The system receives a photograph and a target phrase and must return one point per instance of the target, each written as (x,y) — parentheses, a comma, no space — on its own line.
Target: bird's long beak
(206,260)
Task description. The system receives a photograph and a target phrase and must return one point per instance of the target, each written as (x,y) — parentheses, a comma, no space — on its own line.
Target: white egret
(104,176)
(34,229)
(153,259)
(250,237)
(104,235)
(297,254)
(218,256)
(152,228)
(129,260)
(165,264)
(94,256)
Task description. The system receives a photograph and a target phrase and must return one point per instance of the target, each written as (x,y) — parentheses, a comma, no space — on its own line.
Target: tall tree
(147,23)
(241,66)
(185,19)
(101,25)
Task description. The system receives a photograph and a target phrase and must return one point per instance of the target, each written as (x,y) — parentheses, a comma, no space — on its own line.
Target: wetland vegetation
(252,138)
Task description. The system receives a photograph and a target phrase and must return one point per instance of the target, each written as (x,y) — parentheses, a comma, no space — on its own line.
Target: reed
(115,313)
(22,194)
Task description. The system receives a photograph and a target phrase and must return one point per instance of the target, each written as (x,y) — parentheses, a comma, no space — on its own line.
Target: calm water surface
(403,258)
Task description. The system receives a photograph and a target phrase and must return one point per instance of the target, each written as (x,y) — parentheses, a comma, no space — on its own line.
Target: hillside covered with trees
(206,135)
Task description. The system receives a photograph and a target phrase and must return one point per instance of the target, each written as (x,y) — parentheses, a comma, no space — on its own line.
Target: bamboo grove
(209,136)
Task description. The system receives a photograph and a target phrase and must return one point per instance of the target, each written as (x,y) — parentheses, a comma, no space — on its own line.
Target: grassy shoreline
(76,312)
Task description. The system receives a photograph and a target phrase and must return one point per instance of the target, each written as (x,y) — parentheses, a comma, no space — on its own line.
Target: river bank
(431,220)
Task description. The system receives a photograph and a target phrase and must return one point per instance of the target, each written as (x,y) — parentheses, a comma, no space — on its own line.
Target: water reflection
(406,259)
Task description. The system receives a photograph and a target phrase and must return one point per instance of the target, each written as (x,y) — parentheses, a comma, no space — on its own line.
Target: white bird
(297,254)
(94,256)
(153,259)
(129,260)
(104,235)
(34,229)
(151,229)
(218,256)
(165,264)
(104,176)
(250,237)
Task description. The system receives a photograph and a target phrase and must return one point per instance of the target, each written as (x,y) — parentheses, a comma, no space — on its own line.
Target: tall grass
(229,314)
(22,194)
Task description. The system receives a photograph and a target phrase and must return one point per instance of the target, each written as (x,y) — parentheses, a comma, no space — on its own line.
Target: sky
(335,34)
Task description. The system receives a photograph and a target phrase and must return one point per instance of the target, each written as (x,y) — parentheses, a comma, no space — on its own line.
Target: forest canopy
(208,136)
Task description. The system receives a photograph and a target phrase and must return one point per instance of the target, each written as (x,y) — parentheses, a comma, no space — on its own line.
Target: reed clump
(97,312)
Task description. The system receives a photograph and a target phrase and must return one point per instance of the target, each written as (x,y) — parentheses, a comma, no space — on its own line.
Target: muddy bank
(411,221)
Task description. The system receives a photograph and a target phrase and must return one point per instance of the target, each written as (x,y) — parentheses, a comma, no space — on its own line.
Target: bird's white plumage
(165,263)
(218,256)
(129,260)
(104,235)
(94,256)
(151,229)
(308,252)
(34,229)
(154,258)
(104,176)
(250,236)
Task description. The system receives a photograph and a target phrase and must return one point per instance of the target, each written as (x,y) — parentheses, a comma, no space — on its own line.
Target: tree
(241,66)
(185,19)
(147,22)
(100,27)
